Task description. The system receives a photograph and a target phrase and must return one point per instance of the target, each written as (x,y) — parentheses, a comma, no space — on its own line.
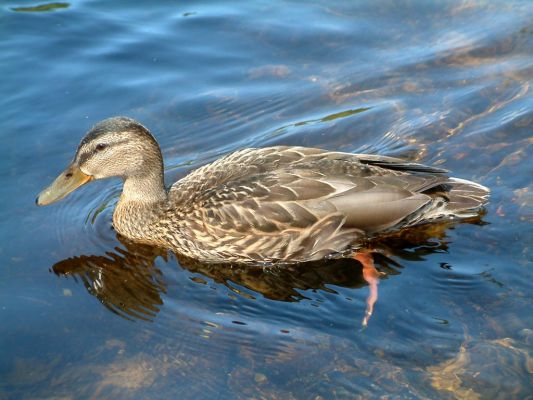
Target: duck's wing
(297,199)
(293,203)
(370,193)
(249,162)
(397,164)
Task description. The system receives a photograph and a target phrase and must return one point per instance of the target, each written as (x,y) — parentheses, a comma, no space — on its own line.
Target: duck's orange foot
(371,276)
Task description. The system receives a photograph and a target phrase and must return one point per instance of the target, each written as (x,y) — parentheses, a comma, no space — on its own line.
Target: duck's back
(298,204)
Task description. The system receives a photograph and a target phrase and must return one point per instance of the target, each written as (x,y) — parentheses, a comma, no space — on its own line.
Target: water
(86,316)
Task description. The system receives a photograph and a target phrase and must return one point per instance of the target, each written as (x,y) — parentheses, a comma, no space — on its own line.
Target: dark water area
(86,315)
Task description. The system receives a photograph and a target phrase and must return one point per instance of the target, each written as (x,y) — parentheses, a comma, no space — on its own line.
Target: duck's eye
(100,146)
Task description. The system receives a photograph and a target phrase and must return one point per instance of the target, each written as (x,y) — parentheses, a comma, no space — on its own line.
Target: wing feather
(300,200)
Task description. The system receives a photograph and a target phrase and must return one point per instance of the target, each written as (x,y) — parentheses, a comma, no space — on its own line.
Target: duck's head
(117,146)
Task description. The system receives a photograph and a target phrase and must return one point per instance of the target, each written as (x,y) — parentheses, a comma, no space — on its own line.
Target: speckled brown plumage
(276,204)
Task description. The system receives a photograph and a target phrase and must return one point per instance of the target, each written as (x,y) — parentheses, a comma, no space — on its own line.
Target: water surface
(85,315)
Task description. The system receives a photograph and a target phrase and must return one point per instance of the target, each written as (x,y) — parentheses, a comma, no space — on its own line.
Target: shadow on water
(127,282)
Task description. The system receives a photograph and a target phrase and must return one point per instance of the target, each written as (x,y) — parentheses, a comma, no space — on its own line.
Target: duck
(280,204)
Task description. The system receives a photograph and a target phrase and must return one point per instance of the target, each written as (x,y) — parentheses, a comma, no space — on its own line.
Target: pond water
(447,83)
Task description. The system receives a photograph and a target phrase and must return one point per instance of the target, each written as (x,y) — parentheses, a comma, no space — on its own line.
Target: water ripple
(445,83)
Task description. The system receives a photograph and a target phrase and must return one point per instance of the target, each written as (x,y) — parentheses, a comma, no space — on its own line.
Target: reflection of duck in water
(264,206)
(128,283)
(125,281)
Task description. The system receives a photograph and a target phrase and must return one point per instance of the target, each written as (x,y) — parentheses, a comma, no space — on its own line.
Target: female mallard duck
(275,204)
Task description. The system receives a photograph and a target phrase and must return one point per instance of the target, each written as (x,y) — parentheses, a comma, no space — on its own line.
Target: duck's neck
(146,189)
(140,205)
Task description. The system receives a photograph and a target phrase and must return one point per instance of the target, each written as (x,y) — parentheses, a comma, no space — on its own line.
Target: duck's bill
(68,181)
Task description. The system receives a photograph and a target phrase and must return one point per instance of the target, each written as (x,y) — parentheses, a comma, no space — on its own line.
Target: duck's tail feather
(451,199)
(455,198)
(466,198)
